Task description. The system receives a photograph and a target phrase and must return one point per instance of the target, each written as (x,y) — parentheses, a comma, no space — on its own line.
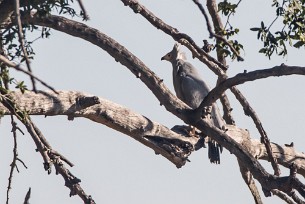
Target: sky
(113,167)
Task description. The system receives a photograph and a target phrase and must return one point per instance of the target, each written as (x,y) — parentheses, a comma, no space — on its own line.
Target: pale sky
(113,167)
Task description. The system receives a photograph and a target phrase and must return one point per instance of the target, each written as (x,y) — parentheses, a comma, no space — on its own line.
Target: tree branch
(171,103)
(143,130)
(183,38)
(217,92)
(15,158)
(173,146)
(282,70)
(118,52)
(21,41)
(224,99)
(248,178)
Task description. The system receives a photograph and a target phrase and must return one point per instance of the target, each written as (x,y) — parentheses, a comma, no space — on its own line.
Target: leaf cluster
(224,48)
(292,15)
(9,35)
(226,8)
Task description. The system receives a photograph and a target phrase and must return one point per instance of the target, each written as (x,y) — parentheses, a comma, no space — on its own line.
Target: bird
(192,89)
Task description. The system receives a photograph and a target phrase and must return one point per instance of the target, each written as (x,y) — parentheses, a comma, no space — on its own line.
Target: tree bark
(171,145)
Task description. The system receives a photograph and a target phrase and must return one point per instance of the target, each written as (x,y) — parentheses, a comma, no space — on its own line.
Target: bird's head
(174,54)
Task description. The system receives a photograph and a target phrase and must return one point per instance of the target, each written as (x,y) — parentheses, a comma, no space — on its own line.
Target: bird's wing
(192,89)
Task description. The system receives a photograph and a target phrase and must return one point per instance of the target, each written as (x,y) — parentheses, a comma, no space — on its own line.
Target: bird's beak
(165,57)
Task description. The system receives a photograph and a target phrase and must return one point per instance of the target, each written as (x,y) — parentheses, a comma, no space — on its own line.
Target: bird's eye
(168,55)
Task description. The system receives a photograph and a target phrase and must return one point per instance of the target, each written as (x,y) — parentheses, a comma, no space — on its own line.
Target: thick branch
(166,142)
(282,70)
(162,140)
(139,127)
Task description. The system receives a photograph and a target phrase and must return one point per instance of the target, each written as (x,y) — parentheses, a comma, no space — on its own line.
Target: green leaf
(298,44)
(255,29)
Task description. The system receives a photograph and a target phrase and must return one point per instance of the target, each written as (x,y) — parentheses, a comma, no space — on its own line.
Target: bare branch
(282,70)
(183,38)
(44,149)
(248,178)
(21,41)
(229,15)
(27,197)
(149,133)
(15,157)
(139,127)
(82,7)
(283,196)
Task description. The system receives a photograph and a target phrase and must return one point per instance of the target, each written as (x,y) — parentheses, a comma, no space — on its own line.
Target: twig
(212,34)
(283,196)
(296,198)
(228,18)
(62,157)
(22,162)
(248,178)
(82,7)
(15,156)
(27,197)
(21,41)
(71,181)
(249,111)
(48,156)
(18,68)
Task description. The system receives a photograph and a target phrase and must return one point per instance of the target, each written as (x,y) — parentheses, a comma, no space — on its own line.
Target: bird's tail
(214,151)
(214,148)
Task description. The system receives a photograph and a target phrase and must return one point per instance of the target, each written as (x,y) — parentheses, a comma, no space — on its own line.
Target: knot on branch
(47,166)
(293,171)
(73,183)
(89,200)
(85,101)
(134,6)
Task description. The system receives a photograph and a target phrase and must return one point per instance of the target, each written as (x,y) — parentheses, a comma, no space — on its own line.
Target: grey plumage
(191,89)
